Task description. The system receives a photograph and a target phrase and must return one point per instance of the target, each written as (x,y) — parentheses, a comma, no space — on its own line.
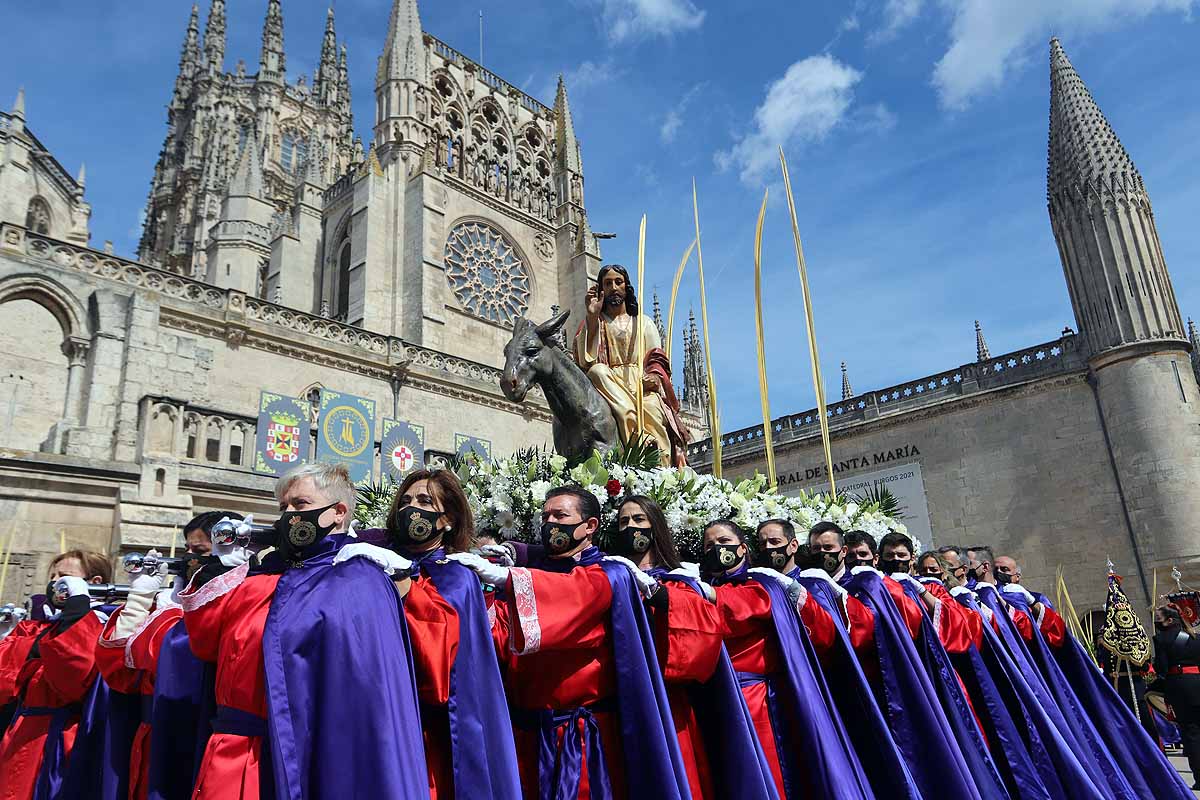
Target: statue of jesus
(606,348)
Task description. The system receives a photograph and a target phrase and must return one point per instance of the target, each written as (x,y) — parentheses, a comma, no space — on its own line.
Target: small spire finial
(847,392)
(82,178)
(981,347)
(18,109)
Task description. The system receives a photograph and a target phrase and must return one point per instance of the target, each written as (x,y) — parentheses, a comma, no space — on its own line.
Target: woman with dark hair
(469,747)
(643,535)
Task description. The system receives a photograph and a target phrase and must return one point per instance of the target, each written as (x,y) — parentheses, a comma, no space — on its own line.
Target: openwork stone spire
(568,158)
(214,37)
(1102,219)
(272,65)
(327,85)
(658,320)
(847,392)
(981,347)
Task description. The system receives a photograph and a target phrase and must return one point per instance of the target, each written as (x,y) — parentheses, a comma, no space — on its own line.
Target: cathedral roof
(1084,150)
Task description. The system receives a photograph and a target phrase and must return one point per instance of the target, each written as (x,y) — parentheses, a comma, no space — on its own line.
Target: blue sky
(915,133)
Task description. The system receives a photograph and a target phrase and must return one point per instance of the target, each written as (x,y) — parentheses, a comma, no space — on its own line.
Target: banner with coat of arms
(346,433)
(464,444)
(281,443)
(401,449)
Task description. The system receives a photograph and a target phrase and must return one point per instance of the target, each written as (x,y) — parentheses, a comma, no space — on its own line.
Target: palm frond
(641,454)
(374,503)
(879,496)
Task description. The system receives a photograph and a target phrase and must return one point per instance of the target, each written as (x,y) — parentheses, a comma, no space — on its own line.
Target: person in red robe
(47,669)
(590,718)
(748,628)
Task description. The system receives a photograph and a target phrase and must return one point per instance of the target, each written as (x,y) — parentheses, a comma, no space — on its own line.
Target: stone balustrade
(1040,361)
(487,77)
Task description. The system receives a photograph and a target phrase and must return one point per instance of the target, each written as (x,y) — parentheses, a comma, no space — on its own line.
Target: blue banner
(401,449)
(346,433)
(281,443)
(464,444)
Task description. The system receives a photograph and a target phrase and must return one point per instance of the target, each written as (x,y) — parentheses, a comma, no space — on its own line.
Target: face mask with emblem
(559,538)
(774,557)
(630,542)
(297,530)
(720,558)
(830,562)
(414,527)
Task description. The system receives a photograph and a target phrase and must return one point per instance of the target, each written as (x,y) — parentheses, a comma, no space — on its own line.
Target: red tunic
(119,672)
(433,626)
(688,640)
(749,632)
(225,619)
(1053,627)
(554,644)
(59,678)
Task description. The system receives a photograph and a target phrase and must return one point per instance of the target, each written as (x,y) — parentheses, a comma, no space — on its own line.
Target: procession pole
(641,339)
(7,556)
(62,540)
(674,293)
(818,386)
(713,422)
(762,354)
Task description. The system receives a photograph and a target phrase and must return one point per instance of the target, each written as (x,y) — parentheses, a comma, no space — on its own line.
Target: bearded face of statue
(616,291)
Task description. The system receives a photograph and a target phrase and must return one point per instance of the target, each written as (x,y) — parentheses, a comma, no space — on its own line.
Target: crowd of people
(309,659)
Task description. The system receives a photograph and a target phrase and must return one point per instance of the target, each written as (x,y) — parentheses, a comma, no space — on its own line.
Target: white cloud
(877,117)
(988,38)
(643,19)
(674,118)
(897,14)
(804,105)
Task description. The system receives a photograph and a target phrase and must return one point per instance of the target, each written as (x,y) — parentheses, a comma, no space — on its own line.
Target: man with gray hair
(281,633)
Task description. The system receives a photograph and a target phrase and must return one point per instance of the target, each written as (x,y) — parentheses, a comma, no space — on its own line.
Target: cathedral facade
(281,254)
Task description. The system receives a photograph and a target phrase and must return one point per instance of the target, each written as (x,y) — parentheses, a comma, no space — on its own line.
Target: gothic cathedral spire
(567,158)
(189,58)
(272,66)
(1103,222)
(214,38)
(400,80)
(404,53)
(327,85)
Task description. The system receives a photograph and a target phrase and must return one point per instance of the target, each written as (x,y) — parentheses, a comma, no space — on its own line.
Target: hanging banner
(281,443)
(464,444)
(346,433)
(401,449)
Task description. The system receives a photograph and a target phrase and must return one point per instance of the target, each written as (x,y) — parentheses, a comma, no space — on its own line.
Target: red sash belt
(1186,670)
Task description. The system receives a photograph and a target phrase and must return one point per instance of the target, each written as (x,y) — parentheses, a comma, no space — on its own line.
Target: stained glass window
(485,272)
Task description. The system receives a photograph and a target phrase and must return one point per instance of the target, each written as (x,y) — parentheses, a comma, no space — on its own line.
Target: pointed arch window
(293,152)
(342,308)
(37,216)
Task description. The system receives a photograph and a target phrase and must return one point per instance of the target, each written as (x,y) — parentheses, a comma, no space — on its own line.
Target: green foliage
(881,498)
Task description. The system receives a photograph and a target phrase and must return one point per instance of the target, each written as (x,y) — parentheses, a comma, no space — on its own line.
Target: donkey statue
(583,421)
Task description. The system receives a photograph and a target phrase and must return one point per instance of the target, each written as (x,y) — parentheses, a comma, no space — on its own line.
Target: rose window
(485,272)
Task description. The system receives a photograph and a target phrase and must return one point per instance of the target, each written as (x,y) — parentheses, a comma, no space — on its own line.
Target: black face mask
(854,561)
(831,561)
(720,558)
(774,557)
(630,542)
(297,530)
(412,526)
(889,565)
(1002,579)
(558,538)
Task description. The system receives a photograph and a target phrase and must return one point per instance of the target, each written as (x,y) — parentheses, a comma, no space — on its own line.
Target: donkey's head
(527,356)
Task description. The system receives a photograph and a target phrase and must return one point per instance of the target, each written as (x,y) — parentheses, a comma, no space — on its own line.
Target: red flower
(613,487)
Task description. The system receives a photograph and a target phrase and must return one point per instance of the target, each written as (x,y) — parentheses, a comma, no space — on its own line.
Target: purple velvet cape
(92,769)
(852,693)
(912,703)
(1061,771)
(484,757)
(1011,737)
(821,761)
(735,755)
(1058,699)
(1136,754)
(653,764)
(342,711)
(179,720)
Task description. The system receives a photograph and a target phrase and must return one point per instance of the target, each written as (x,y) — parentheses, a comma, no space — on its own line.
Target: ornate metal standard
(485,272)
(583,421)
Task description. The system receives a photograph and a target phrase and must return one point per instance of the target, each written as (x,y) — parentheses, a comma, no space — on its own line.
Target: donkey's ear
(552,325)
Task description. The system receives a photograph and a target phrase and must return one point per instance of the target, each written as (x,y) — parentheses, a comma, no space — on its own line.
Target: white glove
(861,568)
(1018,589)
(904,577)
(793,588)
(149,582)
(231,555)
(387,560)
(501,554)
(689,569)
(75,586)
(646,584)
(489,573)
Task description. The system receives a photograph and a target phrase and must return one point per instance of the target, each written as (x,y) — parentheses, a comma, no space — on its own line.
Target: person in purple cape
(590,711)
(458,679)
(1137,756)
(308,654)
(799,726)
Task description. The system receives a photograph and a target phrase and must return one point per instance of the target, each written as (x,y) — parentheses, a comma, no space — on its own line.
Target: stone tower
(211,116)
(1137,347)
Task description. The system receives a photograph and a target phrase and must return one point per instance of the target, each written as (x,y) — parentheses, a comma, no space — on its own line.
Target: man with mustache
(606,348)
